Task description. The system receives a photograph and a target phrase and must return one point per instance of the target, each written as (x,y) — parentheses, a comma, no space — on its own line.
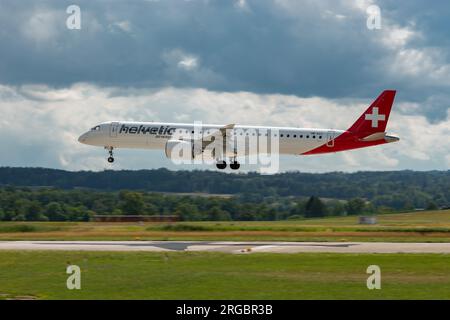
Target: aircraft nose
(83,138)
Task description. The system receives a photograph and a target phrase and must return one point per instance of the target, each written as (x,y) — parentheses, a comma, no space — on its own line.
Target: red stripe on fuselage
(345,141)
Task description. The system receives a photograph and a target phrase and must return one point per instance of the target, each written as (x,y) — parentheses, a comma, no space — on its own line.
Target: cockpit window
(96,128)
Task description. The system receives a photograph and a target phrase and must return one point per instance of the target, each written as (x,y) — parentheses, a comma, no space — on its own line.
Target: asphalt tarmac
(230,246)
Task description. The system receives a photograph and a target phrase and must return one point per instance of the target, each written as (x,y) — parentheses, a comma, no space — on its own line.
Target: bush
(17,228)
(295,217)
(182,227)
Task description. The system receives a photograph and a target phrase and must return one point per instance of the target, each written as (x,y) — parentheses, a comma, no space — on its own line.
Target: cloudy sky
(279,62)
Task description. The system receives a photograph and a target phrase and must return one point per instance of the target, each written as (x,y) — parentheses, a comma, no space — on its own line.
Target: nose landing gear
(111,156)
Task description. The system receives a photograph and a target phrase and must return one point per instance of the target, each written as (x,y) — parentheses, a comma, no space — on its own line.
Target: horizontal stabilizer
(374,136)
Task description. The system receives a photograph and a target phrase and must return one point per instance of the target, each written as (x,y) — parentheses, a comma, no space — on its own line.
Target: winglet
(229,126)
(224,129)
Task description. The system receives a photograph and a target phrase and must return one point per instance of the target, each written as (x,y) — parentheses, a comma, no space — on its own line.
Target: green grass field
(426,226)
(206,275)
(195,275)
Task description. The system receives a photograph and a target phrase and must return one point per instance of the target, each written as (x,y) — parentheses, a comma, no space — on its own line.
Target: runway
(246,247)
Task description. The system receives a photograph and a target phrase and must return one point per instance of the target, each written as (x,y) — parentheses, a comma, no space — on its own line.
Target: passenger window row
(260,134)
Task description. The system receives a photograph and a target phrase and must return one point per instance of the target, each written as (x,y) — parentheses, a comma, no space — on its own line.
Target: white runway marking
(230,246)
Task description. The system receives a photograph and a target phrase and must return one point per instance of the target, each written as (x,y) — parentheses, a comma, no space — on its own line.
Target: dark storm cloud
(304,48)
(262,50)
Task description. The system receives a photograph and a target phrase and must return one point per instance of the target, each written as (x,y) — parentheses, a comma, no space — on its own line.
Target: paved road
(230,246)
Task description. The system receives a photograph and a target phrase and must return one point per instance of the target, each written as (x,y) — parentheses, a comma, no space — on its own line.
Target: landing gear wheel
(111,156)
(221,165)
(235,165)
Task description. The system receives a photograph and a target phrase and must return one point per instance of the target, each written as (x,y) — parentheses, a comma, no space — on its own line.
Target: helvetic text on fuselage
(142,129)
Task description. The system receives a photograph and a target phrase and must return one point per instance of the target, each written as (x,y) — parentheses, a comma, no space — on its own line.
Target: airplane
(369,130)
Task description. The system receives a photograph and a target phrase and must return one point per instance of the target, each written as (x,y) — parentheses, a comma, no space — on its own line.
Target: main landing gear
(234,165)
(111,156)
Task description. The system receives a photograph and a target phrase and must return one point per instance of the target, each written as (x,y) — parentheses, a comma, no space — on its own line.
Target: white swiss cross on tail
(375,117)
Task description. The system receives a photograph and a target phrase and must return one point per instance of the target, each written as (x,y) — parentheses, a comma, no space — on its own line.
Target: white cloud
(188,62)
(406,61)
(241,5)
(331,14)
(397,37)
(124,25)
(180,59)
(43,25)
(425,65)
(359,4)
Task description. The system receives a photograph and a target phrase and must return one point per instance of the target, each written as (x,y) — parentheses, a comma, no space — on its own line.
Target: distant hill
(396,189)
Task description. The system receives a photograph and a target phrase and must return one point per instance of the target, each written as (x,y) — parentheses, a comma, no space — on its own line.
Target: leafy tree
(336,208)
(299,208)
(132,202)
(34,211)
(432,205)
(355,206)
(117,212)
(187,211)
(55,212)
(271,214)
(216,214)
(19,217)
(314,207)
(150,209)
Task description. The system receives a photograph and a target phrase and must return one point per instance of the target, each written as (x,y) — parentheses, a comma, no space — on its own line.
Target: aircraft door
(113,129)
(330,139)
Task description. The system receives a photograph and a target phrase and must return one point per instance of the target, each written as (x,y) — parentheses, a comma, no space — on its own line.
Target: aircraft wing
(206,140)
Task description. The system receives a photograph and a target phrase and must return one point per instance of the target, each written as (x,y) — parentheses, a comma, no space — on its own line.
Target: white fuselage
(155,135)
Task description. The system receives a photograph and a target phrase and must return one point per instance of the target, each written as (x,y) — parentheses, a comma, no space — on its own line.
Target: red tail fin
(375,118)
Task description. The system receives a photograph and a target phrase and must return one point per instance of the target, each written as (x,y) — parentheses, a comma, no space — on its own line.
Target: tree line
(400,190)
(51,204)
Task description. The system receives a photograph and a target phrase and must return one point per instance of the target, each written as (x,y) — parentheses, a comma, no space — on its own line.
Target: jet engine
(181,150)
